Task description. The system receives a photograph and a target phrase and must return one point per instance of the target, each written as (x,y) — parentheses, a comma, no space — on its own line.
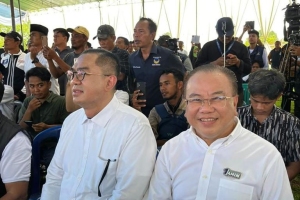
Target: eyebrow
(82,69)
(214,93)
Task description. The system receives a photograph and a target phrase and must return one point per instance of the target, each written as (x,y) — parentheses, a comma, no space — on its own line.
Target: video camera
(292,17)
(172,44)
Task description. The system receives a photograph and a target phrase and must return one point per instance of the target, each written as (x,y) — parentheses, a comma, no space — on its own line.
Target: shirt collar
(104,116)
(221,141)
(152,51)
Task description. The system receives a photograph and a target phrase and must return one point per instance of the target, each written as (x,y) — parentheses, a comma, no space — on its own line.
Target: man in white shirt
(181,50)
(217,158)
(106,149)
(15,159)
(35,57)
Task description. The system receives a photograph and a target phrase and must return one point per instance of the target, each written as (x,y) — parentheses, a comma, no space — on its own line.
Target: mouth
(208,119)
(76,92)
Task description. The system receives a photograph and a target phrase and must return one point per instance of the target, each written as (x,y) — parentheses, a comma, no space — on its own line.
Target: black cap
(13,34)
(104,31)
(39,28)
(227,24)
(252,31)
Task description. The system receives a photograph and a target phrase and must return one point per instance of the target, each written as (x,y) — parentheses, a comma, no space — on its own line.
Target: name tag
(233,174)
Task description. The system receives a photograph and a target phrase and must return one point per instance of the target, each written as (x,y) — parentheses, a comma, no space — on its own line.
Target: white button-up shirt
(118,133)
(239,166)
(28,65)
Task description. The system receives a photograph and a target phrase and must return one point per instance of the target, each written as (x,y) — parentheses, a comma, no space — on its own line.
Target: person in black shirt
(277,126)
(237,57)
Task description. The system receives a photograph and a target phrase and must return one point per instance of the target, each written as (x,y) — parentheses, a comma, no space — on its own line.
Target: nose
(205,107)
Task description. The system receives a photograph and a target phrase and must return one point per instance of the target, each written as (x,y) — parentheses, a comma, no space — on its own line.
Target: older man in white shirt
(107,149)
(217,158)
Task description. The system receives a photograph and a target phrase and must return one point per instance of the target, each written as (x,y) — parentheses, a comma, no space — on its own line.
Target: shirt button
(205,177)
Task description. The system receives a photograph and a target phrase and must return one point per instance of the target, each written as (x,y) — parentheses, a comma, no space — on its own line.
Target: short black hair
(152,25)
(208,68)
(40,72)
(268,83)
(1,90)
(108,61)
(126,41)
(62,31)
(178,75)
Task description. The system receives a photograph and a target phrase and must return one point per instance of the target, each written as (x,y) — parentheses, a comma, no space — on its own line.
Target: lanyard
(219,47)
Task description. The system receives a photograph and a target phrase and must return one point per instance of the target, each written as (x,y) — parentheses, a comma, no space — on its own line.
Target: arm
(276,187)
(15,167)
(51,55)
(70,105)
(188,64)
(293,169)
(25,112)
(154,120)
(245,62)
(245,29)
(136,163)
(265,59)
(161,181)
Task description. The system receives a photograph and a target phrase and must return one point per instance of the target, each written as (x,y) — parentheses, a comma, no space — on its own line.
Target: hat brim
(70,30)
(2,34)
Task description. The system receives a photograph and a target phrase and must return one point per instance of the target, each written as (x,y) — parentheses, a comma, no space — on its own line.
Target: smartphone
(250,24)
(29,123)
(45,41)
(142,87)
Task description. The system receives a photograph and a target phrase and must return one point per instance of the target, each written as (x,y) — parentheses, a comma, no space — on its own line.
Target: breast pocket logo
(156,61)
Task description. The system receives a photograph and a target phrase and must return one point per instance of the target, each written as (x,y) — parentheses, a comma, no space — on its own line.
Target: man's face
(255,67)
(277,44)
(78,40)
(262,105)
(180,45)
(38,88)
(253,38)
(130,47)
(59,39)
(89,92)
(121,44)
(10,43)
(107,43)
(142,36)
(227,39)
(168,87)
(35,38)
(211,122)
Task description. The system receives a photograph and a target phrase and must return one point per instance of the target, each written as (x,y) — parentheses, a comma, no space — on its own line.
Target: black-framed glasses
(81,74)
(216,102)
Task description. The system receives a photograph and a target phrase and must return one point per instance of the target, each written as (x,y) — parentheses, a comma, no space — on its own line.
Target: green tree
(25,28)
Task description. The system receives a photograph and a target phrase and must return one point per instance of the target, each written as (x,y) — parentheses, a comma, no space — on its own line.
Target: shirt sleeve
(136,164)
(51,189)
(16,159)
(122,96)
(153,119)
(161,181)
(276,187)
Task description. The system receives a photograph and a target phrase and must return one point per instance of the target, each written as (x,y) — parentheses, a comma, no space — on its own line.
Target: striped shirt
(281,128)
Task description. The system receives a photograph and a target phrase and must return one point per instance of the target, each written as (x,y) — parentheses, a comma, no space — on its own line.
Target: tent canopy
(35,5)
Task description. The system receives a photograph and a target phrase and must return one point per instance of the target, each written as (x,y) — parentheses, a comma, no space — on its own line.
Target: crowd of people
(141,120)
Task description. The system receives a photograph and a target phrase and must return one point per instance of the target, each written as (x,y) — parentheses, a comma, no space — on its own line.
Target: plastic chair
(246,94)
(35,185)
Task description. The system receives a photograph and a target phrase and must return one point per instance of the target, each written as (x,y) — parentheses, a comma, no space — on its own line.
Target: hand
(232,60)
(33,52)
(34,104)
(49,53)
(39,127)
(219,61)
(137,104)
(246,28)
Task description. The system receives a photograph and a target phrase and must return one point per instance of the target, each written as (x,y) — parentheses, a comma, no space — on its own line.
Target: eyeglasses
(81,74)
(216,102)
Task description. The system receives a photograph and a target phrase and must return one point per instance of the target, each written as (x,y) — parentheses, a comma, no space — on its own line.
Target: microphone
(224,27)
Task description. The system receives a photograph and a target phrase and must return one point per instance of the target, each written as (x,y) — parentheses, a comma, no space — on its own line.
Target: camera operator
(167,42)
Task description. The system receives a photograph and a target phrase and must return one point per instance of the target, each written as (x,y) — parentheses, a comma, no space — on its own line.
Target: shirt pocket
(234,191)
(109,178)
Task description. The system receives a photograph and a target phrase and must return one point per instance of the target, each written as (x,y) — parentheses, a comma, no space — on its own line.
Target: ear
(113,37)
(235,100)
(111,83)
(180,85)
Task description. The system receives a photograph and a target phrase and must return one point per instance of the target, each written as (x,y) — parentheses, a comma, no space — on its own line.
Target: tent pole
(13,23)
(143,5)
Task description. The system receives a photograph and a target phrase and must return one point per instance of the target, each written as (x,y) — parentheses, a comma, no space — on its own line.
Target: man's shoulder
(286,116)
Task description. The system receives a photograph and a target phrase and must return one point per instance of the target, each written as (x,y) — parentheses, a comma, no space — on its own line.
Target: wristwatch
(35,60)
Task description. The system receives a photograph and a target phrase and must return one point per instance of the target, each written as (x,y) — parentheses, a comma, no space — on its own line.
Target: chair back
(53,132)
